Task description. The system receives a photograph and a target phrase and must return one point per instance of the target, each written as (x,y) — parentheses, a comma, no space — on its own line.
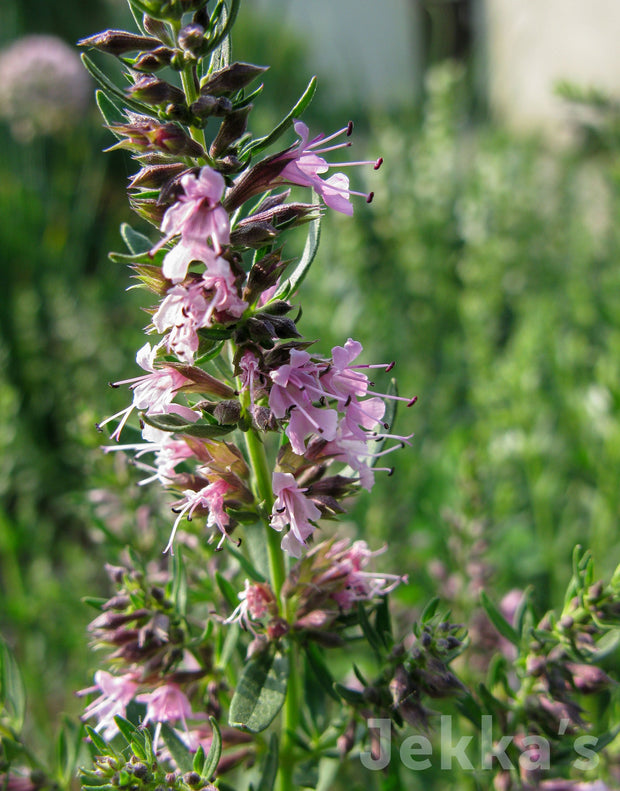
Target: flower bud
(588,678)
(155,176)
(118,42)
(232,128)
(152,90)
(206,106)
(227,412)
(153,61)
(156,28)
(230,79)
(192,39)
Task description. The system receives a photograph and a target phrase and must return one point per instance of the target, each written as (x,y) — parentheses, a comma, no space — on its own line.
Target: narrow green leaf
(226,23)
(98,741)
(129,731)
(179,582)
(470,709)
(227,590)
(12,690)
(136,242)
(179,752)
(491,703)
(175,423)
(351,696)
(264,142)
(270,767)
(247,565)
(498,620)
(292,283)
(199,760)
(429,611)
(110,110)
(383,622)
(369,632)
(320,670)
(108,86)
(260,693)
(212,760)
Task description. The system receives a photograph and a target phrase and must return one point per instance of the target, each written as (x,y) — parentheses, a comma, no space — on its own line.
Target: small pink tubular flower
(198,216)
(292,509)
(116,693)
(295,386)
(153,392)
(167,703)
(305,168)
(211,498)
(255,602)
(359,585)
(169,452)
(189,306)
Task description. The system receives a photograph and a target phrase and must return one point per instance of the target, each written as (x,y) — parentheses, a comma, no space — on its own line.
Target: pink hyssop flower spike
(198,217)
(152,392)
(305,167)
(292,509)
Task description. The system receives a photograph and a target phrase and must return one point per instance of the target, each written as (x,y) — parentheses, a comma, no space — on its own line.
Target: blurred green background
(487,267)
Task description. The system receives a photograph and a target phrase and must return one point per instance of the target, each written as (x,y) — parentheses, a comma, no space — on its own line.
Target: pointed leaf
(137,242)
(498,620)
(12,690)
(260,693)
(215,751)
(98,741)
(227,590)
(352,696)
(113,90)
(292,283)
(320,670)
(179,582)
(178,750)
(110,110)
(264,142)
(270,767)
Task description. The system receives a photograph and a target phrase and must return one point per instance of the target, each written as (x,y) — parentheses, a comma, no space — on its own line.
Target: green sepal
(264,142)
(260,693)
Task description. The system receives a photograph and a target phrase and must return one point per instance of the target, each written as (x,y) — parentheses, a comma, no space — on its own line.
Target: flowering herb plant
(232,667)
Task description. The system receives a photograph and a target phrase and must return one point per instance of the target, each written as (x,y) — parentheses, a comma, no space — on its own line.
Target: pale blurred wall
(533,44)
(368,51)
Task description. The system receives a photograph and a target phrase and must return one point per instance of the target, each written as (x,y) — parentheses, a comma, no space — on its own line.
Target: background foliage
(487,267)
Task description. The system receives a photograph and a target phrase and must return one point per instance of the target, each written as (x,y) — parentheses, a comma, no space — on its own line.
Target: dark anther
(378,163)
(371,195)
(281,510)
(390,472)
(349,128)
(390,366)
(413,400)
(113,384)
(99,428)
(348,401)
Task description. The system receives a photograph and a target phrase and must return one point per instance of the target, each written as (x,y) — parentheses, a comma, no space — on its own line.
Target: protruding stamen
(370,196)
(378,163)
(349,128)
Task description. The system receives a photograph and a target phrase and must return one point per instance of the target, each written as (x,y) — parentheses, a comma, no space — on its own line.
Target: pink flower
(153,392)
(292,509)
(295,386)
(358,585)
(210,497)
(198,216)
(305,168)
(189,306)
(116,693)
(169,452)
(167,703)
(256,602)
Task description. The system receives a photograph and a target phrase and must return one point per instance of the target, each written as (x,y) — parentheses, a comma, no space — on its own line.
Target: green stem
(290,720)
(188,80)
(262,476)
